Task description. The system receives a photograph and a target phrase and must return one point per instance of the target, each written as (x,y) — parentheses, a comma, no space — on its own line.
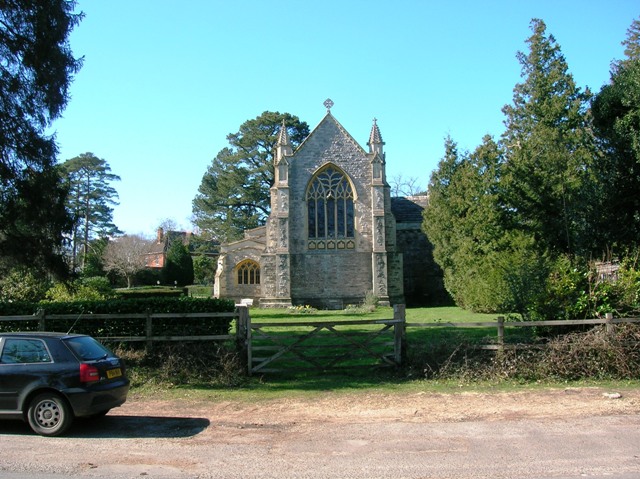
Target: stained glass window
(330,206)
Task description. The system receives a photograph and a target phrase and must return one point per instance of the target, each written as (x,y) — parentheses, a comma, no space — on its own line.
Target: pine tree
(36,68)
(616,118)
(90,201)
(550,150)
(234,193)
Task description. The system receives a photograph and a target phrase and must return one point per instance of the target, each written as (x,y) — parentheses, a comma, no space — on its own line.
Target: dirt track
(555,433)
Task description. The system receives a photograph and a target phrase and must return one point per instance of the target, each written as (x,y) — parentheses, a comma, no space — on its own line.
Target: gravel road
(560,433)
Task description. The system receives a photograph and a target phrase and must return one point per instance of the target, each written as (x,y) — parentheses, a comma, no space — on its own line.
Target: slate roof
(408,209)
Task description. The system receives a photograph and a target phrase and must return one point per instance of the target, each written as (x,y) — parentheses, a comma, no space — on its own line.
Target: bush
(187,363)
(83,322)
(85,289)
(23,285)
(151,292)
(583,355)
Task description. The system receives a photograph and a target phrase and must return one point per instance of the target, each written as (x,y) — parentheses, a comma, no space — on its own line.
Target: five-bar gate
(321,345)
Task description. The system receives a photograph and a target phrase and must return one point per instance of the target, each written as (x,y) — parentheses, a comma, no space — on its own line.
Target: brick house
(157,255)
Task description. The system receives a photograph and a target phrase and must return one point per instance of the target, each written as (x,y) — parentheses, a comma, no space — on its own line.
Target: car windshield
(87,348)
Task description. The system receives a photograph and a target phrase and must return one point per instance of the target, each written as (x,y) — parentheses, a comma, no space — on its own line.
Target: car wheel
(49,414)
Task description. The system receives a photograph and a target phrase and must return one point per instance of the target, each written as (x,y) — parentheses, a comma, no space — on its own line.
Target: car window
(87,348)
(22,350)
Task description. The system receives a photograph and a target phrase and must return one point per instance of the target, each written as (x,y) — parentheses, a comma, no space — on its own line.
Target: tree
(401,186)
(126,255)
(234,192)
(616,119)
(632,42)
(36,68)
(487,267)
(90,201)
(178,268)
(204,270)
(549,151)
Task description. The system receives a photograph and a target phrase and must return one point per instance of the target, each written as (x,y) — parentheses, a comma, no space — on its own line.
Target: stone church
(332,235)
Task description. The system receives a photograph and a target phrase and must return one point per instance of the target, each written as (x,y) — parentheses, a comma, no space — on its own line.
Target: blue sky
(164,82)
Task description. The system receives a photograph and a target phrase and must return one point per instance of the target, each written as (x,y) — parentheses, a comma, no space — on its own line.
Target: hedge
(85,324)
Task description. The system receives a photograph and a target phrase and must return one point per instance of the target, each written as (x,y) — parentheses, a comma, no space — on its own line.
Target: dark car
(48,379)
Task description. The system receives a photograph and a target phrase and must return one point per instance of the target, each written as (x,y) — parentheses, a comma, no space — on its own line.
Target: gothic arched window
(330,206)
(248,272)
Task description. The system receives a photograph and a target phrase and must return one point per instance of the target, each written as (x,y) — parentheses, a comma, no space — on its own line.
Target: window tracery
(248,272)
(330,210)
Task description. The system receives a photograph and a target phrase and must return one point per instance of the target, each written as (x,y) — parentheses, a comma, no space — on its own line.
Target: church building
(331,236)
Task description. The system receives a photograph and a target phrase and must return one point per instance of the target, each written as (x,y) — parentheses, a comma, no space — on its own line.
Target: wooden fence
(382,341)
(147,319)
(500,324)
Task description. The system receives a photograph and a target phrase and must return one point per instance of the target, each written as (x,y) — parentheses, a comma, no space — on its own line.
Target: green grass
(421,342)
(413,315)
(276,387)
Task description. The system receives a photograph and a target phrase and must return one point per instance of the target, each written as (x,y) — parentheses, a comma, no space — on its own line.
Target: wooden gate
(321,345)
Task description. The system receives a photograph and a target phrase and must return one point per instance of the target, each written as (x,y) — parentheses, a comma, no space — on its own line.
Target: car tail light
(88,373)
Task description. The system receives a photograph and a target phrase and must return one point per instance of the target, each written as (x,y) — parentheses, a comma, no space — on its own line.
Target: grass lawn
(413,315)
(420,340)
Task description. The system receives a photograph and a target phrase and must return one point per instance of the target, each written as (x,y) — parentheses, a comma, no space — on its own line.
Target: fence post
(243,334)
(501,333)
(149,329)
(41,320)
(399,332)
(609,327)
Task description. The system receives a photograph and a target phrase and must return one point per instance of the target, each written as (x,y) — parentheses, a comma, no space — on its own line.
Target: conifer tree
(90,201)
(616,117)
(549,150)
(234,192)
(36,68)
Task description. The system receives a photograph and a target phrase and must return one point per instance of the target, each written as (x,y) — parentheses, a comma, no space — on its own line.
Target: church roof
(326,122)
(408,209)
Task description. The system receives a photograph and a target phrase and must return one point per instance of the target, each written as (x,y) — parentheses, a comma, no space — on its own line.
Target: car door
(23,363)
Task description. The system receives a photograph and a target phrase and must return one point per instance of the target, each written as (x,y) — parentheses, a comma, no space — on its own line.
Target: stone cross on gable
(328,103)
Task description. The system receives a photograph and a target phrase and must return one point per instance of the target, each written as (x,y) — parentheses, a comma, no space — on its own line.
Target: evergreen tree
(632,42)
(465,221)
(234,193)
(90,201)
(36,67)
(549,151)
(616,118)
(178,268)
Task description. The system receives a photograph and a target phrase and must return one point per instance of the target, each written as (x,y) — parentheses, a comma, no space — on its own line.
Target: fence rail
(390,351)
(149,337)
(500,325)
(321,345)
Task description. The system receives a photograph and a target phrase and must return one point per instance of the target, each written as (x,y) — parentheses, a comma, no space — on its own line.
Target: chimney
(160,235)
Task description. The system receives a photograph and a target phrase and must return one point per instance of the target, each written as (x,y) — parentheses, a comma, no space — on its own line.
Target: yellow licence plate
(114,373)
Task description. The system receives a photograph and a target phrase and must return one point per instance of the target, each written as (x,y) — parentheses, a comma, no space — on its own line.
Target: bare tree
(127,255)
(401,186)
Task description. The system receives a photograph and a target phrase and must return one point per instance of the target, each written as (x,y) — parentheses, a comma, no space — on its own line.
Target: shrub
(23,285)
(81,320)
(187,363)
(594,354)
(85,289)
